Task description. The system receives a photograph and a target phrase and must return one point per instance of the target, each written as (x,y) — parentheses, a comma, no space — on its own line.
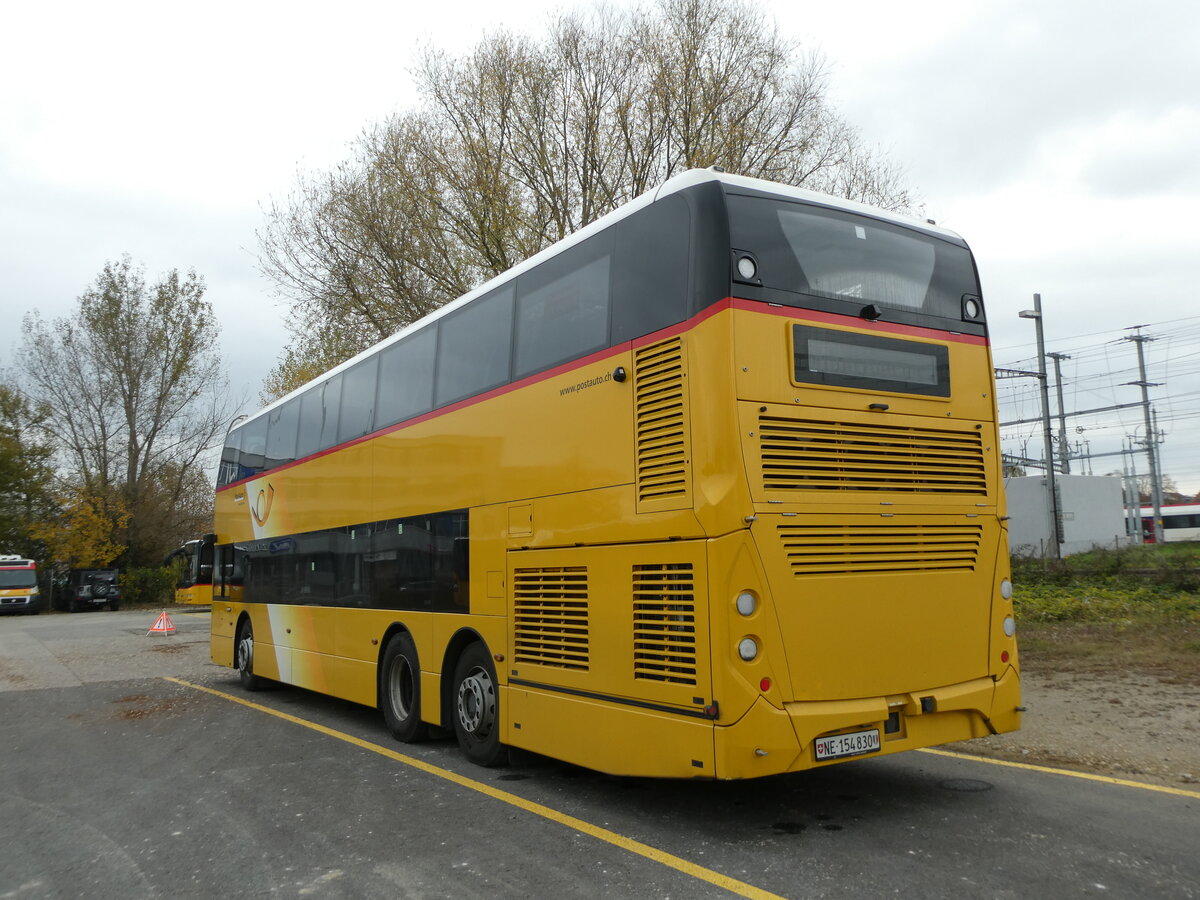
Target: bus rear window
(858,260)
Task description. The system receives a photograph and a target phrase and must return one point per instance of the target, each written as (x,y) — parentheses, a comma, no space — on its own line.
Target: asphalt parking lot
(135,768)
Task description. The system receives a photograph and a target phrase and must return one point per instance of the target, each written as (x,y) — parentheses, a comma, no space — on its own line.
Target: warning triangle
(162,625)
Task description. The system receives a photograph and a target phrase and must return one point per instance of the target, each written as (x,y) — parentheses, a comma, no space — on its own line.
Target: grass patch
(1112,611)
(1169,652)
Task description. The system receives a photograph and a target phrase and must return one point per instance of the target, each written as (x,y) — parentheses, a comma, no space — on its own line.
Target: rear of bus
(877,616)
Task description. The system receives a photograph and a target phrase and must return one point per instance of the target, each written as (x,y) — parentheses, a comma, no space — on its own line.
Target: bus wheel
(400,690)
(244,658)
(477,707)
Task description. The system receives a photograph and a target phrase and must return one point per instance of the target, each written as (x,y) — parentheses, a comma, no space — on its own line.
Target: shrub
(1100,603)
(148,587)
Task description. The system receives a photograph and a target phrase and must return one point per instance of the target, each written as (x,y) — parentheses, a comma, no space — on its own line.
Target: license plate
(839,746)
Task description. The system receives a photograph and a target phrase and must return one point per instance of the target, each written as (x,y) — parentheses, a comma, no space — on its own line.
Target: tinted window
(318,417)
(853,259)
(406,378)
(474,344)
(358,400)
(281,433)
(419,562)
(254,446)
(650,285)
(309,437)
(230,458)
(331,399)
(562,307)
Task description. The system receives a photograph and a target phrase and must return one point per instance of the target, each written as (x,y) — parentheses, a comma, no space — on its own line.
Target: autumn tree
(135,399)
(86,532)
(522,141)
(26,473)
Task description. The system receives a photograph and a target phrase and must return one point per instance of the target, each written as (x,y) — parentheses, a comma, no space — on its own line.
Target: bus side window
(308,438)
(331,403)
(562,307)
(230,458)
(253,457)
(281,433)
(406,378)
(474,346)
(650,282)
(358,400)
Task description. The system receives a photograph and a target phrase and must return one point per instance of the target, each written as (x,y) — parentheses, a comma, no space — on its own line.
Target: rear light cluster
(747,604)
(1009,624)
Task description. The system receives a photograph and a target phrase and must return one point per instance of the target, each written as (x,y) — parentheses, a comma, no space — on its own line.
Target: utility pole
(1047,439)
(1064,452)
(1151,439)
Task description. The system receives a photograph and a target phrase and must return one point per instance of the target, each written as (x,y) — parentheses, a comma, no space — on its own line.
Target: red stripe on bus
(806,315)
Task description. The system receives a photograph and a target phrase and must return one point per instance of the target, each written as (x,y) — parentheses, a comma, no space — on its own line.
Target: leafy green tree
(135,398)
(521,141)
(26,473)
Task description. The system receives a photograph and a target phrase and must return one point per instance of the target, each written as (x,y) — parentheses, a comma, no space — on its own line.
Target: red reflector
(765,685)
(1004,656)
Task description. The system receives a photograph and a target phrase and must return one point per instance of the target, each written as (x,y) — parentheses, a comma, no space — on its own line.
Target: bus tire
(476,708)
(243,657)
(400,690)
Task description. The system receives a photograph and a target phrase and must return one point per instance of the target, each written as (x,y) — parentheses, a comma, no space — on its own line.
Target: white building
(1092,509)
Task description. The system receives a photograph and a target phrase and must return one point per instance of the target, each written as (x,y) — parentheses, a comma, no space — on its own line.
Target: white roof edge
(672,185)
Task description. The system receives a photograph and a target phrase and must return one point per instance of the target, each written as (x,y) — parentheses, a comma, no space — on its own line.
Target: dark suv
(89,588)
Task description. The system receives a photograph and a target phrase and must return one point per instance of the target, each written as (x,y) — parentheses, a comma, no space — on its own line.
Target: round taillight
(747,649)
(1003,656)
(1006,589)
(1010,626)
(746,603)
(764,685)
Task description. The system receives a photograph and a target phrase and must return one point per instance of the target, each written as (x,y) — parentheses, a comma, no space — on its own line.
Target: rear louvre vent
(550,617)
(663,454)
(664,623)
(868,549)
(799,454)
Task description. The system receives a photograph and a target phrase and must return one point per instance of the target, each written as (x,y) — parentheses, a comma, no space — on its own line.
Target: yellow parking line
(1087,776)
(603,834)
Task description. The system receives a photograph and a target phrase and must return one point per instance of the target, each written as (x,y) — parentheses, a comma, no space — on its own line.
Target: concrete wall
(1093,512)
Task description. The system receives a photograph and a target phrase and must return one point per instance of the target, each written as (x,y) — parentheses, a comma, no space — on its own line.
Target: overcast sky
(1061,139)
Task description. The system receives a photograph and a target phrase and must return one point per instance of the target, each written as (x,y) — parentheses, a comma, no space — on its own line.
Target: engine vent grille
(800,454)
(868,549)
(663,463)
(664,623)
(550,617)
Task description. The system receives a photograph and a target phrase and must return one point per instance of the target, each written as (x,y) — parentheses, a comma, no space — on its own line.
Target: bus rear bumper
(768,740)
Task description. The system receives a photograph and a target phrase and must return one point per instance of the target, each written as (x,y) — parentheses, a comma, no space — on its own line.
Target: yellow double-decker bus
(192,563)
(708,489)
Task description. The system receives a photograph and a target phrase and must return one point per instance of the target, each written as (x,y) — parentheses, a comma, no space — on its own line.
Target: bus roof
(674,185)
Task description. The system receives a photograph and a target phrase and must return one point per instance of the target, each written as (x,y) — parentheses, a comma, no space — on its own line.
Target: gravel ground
(1132,726)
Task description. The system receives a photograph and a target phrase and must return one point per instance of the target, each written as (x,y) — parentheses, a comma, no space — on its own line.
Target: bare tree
(522,141)
(136,398)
